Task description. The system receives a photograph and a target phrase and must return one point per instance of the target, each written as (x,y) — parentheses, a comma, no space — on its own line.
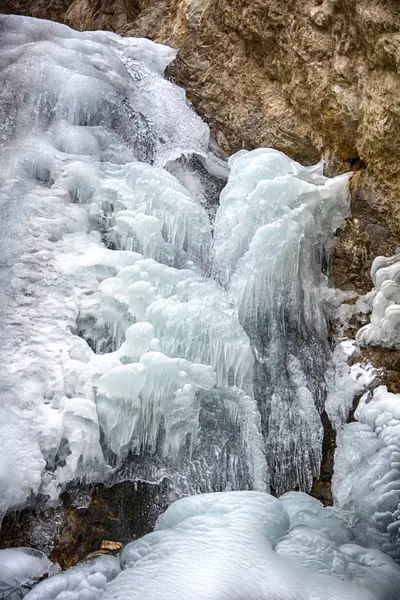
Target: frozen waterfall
(116,343)
(143,339)
(127,347)
(273,232)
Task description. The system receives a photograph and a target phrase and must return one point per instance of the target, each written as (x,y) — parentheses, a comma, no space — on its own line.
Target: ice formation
(236,545)
(366,479)
(347,382)
(133,342)
(21,569)
(115,343)
(384,327)
(125,345)
(87,581)
(273,230)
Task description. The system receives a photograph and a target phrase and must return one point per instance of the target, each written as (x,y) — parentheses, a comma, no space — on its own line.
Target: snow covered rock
(366,480)
(21,569)
(384,326)
(236,545)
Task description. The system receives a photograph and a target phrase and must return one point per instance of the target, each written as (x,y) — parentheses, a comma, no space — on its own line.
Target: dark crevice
(322,486)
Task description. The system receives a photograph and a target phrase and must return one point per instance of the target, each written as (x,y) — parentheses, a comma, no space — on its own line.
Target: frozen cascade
(273,231)
(115,343)
(122,357)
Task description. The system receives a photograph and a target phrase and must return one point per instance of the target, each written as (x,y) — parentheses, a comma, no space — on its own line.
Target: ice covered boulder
(384,326)
(21,569)
(250,545)
(366,479)
(86,581)
(236,546)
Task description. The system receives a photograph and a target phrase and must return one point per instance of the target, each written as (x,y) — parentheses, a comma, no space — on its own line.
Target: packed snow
(236,545)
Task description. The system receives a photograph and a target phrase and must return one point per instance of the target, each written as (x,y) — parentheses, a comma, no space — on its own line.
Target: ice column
(273,235)
(384,326)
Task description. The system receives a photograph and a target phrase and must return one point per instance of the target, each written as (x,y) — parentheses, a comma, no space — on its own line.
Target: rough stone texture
(101,14)
(79,14)
(313,78)
(88,520)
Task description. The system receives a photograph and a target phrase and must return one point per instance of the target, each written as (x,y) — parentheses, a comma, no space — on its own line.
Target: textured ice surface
(20,569)
(236,546)
(346,382)
(367,459)
(273,230)
(251,545)
(384,326)
(112,240)
(113,341)
(86,581)
(366,479)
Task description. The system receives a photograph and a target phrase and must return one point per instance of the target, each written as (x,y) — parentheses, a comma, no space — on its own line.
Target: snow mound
(366,480)
(236,545)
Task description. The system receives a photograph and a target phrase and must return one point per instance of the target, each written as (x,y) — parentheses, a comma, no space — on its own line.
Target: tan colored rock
(110,546)
(102,14)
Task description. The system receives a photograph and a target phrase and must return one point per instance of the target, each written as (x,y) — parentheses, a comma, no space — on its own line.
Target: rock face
(79,14)
(88,520)
(312,78)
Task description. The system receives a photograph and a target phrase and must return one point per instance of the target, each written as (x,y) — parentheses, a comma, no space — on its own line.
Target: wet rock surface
(100,519)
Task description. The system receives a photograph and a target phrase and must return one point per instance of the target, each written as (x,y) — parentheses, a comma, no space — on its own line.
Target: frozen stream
(145,336)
